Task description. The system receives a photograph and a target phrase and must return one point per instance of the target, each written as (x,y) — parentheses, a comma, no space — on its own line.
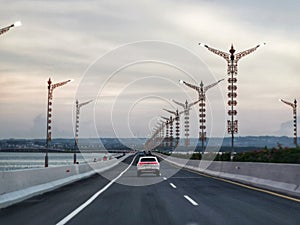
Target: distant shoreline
(62,151)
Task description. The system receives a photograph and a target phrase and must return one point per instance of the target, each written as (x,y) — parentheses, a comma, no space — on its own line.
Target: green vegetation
(286,155)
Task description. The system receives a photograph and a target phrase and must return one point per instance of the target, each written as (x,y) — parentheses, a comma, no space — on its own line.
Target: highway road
(186,198)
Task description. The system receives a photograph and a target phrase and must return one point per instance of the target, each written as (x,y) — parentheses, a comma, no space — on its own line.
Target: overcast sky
(129,55)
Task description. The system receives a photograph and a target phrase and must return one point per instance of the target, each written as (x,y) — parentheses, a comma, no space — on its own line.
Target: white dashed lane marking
(190,200)
(172,185)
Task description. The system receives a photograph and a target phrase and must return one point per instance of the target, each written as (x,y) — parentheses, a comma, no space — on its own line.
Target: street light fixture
(149,144)
(294,106)
(186,110)
(232,62)
(167,123)
(169,130)
(177,126)
(78,106)
(162,130)
(159,131)
(156,136)
(201,89)
(51,88)
(161,134)
(5,29)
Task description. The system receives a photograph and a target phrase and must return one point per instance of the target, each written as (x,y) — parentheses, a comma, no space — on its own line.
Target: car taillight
(151,163)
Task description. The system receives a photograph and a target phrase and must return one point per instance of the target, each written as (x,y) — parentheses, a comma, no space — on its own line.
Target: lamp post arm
(5,29)
(59,84)
(212,85)
(224,55)
(190,85)
(181,112)
(178,103)
(85,103)
(157,126)
(288,103)
(165,118)
(194,103)
(240,55)
(169,111)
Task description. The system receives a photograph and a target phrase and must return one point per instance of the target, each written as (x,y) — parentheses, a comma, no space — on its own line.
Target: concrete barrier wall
(19,185)
(284,178)
(20,179)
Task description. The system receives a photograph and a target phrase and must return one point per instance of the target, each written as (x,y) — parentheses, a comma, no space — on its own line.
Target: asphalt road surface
(186,198)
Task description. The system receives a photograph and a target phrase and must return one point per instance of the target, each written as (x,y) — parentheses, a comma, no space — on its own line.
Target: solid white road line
(90,200)
(190,200)
(172,185)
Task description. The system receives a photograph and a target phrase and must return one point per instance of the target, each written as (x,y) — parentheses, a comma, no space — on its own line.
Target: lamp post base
(232,156)
(75,159)
(46,160)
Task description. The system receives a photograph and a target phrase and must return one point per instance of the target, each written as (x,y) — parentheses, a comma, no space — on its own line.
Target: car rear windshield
(148,160)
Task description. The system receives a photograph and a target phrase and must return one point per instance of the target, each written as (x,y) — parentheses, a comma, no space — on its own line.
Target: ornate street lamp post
(186,110)
(51,88)
(160,133)
(294,107)
(232,62)
(177,126)
(171,131)
(78,106)
(156,137)
(202,97)
(166,139)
